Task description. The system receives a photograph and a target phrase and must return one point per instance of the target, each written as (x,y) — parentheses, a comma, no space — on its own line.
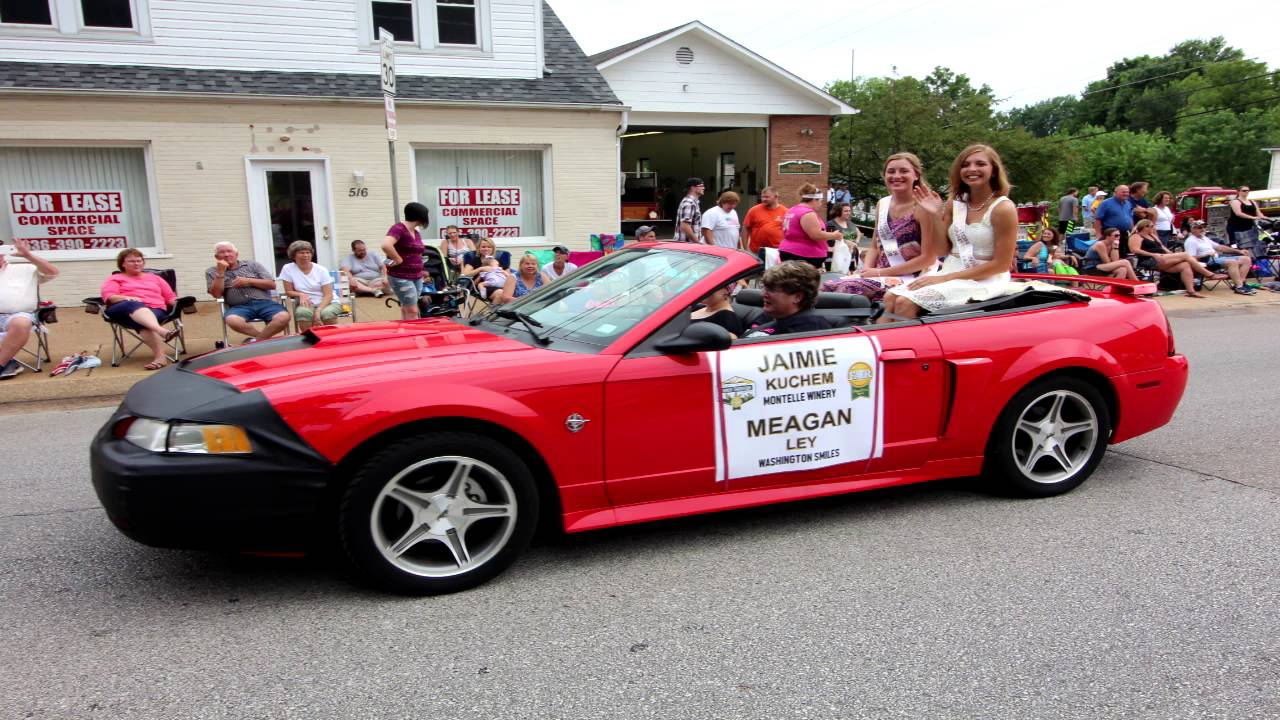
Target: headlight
(204,439)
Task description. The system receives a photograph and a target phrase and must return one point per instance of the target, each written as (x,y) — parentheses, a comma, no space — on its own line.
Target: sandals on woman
(156,365)
(169,336)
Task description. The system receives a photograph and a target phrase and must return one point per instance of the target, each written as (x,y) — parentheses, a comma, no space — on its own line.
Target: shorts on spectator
(6,317)
(328,313)
(261,310)
(119,313)
(1095,270)
(407,291)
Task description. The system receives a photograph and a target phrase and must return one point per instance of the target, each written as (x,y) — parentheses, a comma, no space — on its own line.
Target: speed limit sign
(387,40)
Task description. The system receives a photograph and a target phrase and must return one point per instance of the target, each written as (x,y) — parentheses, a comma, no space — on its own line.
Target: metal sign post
(388,76)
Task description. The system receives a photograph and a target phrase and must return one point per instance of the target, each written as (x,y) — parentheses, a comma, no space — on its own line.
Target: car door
(915,394)
(660,428)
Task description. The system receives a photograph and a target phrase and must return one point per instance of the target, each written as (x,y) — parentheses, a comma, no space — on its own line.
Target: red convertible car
(431,449)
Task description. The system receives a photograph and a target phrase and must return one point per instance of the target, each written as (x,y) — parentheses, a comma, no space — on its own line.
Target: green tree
(1110,158)
(1225,148)
(1048,117)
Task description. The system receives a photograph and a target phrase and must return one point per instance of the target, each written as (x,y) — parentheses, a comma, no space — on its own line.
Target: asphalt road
(1150,592)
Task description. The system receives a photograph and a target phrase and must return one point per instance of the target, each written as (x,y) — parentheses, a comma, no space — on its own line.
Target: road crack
(1193,470)
(50,512)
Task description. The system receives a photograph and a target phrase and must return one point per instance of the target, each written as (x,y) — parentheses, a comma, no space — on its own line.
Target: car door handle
(907,354)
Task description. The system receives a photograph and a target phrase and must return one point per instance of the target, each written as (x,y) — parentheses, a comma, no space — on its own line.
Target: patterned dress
(907,232)
(971,245)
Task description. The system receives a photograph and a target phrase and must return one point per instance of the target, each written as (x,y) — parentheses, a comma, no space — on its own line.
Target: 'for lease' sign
(490,211)
(71,220)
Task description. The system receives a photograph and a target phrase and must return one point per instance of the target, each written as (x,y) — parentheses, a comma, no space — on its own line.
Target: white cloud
(1026,51)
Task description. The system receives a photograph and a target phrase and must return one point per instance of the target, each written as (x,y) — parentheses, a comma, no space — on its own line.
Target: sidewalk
(77,330)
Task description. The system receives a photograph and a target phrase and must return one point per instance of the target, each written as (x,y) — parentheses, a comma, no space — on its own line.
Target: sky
(1026,51)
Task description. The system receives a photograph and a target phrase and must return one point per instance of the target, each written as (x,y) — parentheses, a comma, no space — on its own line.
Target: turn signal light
(176,437)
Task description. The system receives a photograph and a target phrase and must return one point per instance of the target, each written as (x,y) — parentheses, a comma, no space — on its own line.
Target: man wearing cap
(646,233)
(560,266)
(689,214)
(1214,255)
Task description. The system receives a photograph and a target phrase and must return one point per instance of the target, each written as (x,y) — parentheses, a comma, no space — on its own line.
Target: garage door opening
(657,160)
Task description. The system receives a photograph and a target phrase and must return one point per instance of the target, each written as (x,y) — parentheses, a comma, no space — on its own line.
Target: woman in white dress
(982,233)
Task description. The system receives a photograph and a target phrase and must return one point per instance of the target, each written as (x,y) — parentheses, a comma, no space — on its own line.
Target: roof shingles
(571,79)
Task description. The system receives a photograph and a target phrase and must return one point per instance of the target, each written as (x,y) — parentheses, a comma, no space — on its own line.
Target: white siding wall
(286,35)
(717,82)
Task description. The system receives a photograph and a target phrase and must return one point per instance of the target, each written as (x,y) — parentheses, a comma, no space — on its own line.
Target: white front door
(289,201)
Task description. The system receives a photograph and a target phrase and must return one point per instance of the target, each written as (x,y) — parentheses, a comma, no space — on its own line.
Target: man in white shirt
(720,224)
(18,303)
(1234,262)
(560,266)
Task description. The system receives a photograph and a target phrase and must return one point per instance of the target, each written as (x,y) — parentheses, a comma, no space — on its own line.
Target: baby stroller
(438,298)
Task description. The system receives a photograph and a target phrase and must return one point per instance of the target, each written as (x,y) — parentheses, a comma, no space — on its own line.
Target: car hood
(367,351)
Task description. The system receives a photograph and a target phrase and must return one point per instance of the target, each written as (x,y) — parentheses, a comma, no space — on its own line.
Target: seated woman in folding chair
(1153,255)
(140,301)
(474,263)
(310,286)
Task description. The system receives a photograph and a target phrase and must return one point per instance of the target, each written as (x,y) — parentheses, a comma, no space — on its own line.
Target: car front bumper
(268,500)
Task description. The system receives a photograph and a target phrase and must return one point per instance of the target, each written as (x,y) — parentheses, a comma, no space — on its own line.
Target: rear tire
(1049,438)
(437,514)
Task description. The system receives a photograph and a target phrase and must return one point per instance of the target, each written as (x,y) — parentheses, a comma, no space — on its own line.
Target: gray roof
(627,47)
(570,79)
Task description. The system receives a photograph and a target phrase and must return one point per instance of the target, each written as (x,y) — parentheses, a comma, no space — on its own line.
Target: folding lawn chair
(122,335)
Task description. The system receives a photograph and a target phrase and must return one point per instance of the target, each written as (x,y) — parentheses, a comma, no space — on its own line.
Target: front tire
(438,514)
(1049,438)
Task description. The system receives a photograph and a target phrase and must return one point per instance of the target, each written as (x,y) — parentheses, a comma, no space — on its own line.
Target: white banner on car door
(790,406)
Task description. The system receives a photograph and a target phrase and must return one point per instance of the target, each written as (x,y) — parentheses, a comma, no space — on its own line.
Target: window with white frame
(492,191)
(447,25)
(92,19)
(115,14)
(456,22)
(36,13)
(396,17)
(77,198)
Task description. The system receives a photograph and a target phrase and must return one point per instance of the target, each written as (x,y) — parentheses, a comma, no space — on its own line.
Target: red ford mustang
(431,449)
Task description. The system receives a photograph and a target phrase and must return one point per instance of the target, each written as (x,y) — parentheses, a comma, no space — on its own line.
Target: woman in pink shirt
(804,234)
(141,301)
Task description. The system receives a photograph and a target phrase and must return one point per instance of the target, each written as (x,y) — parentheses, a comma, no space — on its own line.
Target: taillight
(121,428)
(1168,331)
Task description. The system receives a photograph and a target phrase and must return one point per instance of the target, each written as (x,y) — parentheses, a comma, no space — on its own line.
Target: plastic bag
(771,258)
(841,257)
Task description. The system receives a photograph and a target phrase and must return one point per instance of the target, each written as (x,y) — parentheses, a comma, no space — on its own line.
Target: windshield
(600,302)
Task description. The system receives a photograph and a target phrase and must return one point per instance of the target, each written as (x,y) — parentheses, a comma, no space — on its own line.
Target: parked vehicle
(429,450)
(1210,204)
(1268,201)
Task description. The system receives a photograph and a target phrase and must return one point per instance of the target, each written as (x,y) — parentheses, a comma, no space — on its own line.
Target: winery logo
(860,377)
(737,391)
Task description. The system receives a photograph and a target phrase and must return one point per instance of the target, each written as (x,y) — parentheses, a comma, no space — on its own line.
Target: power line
(1175,117)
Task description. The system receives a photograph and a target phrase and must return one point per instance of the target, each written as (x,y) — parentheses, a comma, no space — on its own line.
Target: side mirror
(697,337)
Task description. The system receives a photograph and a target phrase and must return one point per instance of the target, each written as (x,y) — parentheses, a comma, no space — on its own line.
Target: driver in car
(790,291)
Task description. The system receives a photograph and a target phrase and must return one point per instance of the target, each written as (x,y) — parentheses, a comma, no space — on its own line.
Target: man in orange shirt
(763,224)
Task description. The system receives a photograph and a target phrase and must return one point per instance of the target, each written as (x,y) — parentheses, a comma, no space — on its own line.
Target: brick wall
(198,148)
(788,142)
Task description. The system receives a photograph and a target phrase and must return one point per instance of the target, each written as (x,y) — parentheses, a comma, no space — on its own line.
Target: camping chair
(276,295)
(343,295)
(122,335)
(44,315)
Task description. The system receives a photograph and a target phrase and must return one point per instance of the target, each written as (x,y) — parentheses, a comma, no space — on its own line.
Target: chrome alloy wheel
(443,517)
(1055,436)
